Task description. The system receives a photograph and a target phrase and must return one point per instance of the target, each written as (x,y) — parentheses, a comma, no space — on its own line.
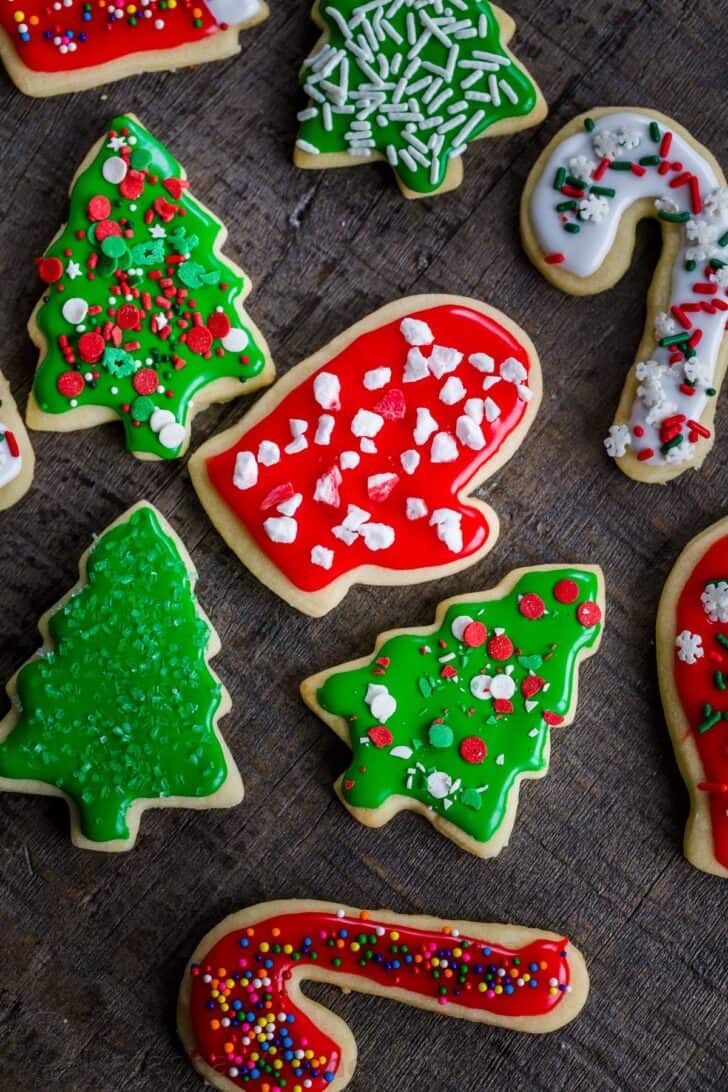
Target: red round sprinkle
(531,685)
(105,228)
(218,324)
(531,606)
(145,381)
(392,405)
(473,750)
(133,185)
(500,648)
(50,270)
(127,316)
(589,614)
(99,208)
(566,591)
(91,347)
(474,634)
(553,719)
(502,705)
(380,736)
(199,340)
(70,384)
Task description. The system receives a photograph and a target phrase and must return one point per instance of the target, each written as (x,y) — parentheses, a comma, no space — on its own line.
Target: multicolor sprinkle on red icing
(140,312)
(453,719)
(246,1020)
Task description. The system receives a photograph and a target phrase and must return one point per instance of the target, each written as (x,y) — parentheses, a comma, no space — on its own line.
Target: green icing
(123,707)
(158,224)
(414,80)
(415,750)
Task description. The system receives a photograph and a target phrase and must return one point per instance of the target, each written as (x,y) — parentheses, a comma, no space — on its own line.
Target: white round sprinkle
(75,310)
(114,169)
(235,340)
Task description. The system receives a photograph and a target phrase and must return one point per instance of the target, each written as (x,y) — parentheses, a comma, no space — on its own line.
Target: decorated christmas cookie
(246,1024)
(142,316)
(16,455)
(447,720)
(598,177)
(412,82)
(354,468)
(118,711)
(692,661)
(52,49)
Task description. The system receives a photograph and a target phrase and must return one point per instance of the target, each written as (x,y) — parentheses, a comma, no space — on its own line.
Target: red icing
(417,543)
(102,38)
(237,961)
(696,688)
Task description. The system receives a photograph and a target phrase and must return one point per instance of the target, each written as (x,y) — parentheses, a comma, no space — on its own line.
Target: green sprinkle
(589,125)
(566,206)
(690,265)
(424,686)
(441,735)
(709,722)
(723,241)
(573,229)
(675,442)
(717,263)
(674,217)
(649,161)
(141,158)
(620,165)
(603,191)
(113,246)
(722,639)
(560,178)
(118,362)
(719,680)
(655,132)
(579,183)
(142,408)
(471,799)
(710,391)
(674,339)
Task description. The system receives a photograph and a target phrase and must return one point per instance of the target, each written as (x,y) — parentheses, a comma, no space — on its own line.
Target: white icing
(584,253)
(10,465)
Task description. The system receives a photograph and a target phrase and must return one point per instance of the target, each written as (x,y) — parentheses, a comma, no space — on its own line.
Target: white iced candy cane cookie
(601,174)
(16,455)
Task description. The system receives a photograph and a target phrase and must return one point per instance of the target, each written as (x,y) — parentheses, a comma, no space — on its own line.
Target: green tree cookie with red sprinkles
(142,316)
(447,720)
(118,711)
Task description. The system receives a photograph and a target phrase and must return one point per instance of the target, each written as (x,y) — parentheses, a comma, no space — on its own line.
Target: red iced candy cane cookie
(378,438)
(692,659)
(242,986)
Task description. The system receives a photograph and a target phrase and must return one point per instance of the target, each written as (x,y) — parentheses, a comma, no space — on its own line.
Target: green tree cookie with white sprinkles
(446,720)
(412,82)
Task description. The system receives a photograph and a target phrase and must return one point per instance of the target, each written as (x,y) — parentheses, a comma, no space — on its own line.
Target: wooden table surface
(92,946)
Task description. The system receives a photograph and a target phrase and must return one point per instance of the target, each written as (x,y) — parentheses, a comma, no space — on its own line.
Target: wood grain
(91,948)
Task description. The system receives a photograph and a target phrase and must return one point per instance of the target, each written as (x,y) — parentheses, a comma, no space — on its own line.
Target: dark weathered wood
(92,947)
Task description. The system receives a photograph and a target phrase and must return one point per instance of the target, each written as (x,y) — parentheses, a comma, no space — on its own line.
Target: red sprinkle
(199,340)
(50,270)
(665,145)
(12,443)
(532,606)
(555,259)
(589,614)
(553,719)
(380,736)
(218,324)
(500,647)
(99,208)
(104,229)
(637,169)
(70,384)
(645,454)
(474,634)
(145,381)
(681,317)
(696,200)
(599,172)
(473,750)
(566,591)
(91,347)
(531,685)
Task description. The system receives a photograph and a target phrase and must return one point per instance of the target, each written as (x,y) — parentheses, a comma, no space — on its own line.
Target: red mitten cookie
(355,467)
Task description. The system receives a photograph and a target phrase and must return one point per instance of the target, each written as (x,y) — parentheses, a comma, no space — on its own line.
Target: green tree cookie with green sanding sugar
(446,720)
(142,316)
(412,82)
(118,711)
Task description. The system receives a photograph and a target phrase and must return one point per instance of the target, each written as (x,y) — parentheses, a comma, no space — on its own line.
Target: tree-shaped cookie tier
(447,720)
(51,49)
(357,465)
(412,82)
(119,710)
(142,316)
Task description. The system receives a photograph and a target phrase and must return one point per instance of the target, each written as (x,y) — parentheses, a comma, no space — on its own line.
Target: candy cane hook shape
(246,1024)
(598,177)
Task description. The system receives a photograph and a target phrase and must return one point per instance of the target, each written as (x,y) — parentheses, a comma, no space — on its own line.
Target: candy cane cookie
(356,467)
(600,175)
(692,661)
(246,1024)
(16,455)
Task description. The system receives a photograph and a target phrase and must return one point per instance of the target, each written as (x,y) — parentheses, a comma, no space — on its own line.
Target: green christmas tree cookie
(118,711)
(412,82)
(142,317)
(447,720)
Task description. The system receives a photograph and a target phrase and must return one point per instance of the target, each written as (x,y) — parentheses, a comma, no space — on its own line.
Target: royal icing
(11,458)
(121,707)
(250,1025)
(354,474)
(700,667)
(68,35)
(411,80)
(588,183)
(451,720)
(140,312)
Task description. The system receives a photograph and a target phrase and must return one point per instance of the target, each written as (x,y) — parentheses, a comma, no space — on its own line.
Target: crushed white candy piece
(366,423)
(381,703)
(326,390)
(490,381)
(297,426)
(416,508)
(377,378)
(482,361)
(469,433)
(442,360)
(349,460)
(323,557)
(513,371)
(444,449)
(290,507)
(299,444)
(416,332)
(268,453)
(426,425)
(281,529)
(377,536)
(245,474)
(452,391)
(410,460)
(326,490)
(524,393)
(474,409)
(439,784)
(448,524)
(480,686)
(324,429)
(379,486)
(492,409)
(415,367)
